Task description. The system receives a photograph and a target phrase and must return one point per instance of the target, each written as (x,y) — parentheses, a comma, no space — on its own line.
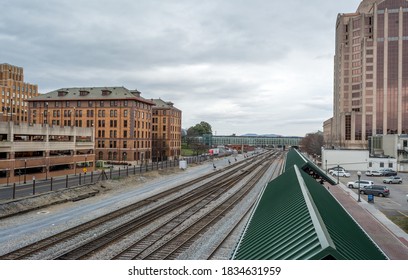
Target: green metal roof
(297,218)
(294,157)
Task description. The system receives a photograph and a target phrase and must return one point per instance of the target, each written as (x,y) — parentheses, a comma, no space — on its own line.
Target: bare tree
(312,143)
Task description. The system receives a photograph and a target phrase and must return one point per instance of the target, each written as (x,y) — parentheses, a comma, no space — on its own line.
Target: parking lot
(395,206)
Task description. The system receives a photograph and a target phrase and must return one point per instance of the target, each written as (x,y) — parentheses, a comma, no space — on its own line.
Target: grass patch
(187,152)
(400,221)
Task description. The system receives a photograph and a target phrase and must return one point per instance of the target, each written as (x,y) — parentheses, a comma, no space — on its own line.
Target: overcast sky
(244,66)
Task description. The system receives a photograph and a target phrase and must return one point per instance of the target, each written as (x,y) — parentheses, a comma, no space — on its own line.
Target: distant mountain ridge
(184,133)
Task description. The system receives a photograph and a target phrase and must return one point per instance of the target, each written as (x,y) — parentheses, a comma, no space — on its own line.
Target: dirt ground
(17,206)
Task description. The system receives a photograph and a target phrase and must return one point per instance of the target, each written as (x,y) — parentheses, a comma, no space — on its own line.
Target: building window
(381,164)
(106,92)
(348,127)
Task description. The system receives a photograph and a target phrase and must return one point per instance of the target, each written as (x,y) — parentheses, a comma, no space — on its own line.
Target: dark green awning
(297,219)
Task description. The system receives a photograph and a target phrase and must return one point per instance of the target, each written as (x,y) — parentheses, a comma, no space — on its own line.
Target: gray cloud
(244,66)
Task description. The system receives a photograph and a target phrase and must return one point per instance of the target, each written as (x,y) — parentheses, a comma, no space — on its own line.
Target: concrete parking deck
(392,240)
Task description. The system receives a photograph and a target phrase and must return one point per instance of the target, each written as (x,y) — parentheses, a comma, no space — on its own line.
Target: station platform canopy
(294,157)
(297,218)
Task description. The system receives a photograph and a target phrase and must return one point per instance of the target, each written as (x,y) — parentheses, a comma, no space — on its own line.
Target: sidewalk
(392,240)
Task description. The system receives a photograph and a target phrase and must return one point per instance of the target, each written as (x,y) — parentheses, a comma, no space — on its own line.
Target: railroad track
(207,194)
(181,241)
(30,251)
(223,242)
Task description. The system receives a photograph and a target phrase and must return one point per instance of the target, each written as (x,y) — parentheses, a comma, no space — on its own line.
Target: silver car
(373,173)
(340,173)
(393,180)
(363,183)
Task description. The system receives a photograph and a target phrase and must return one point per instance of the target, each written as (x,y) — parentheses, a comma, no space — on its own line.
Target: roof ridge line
(321,230)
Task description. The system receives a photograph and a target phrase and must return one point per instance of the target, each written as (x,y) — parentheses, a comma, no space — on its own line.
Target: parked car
(340,173)
(363,183)
(373,173)
(393,180)
(388,172)
(336,168)
(375,190)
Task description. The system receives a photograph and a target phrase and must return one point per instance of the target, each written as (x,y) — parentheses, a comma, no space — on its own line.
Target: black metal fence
(14,191)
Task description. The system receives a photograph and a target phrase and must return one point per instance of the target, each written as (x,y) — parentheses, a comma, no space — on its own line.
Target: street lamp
(25,170)
(85,168)
(338,174)
(359,176)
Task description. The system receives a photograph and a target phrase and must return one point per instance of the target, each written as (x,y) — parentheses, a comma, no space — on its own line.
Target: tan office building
(121,119)
(14,93)
(370,74)
(166,131)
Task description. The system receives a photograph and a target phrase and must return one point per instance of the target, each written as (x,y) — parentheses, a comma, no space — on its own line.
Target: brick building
(121,118)
(14,93)
(166,131)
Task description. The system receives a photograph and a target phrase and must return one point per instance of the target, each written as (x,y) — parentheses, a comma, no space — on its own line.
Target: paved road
(394,205)
(41,186)
(390,238)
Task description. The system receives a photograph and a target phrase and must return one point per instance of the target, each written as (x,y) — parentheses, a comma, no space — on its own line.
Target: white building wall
(352,160)
(356,160)
(390,145)
(380,163)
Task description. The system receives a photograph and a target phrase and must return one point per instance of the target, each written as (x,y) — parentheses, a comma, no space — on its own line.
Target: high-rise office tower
(370,74)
